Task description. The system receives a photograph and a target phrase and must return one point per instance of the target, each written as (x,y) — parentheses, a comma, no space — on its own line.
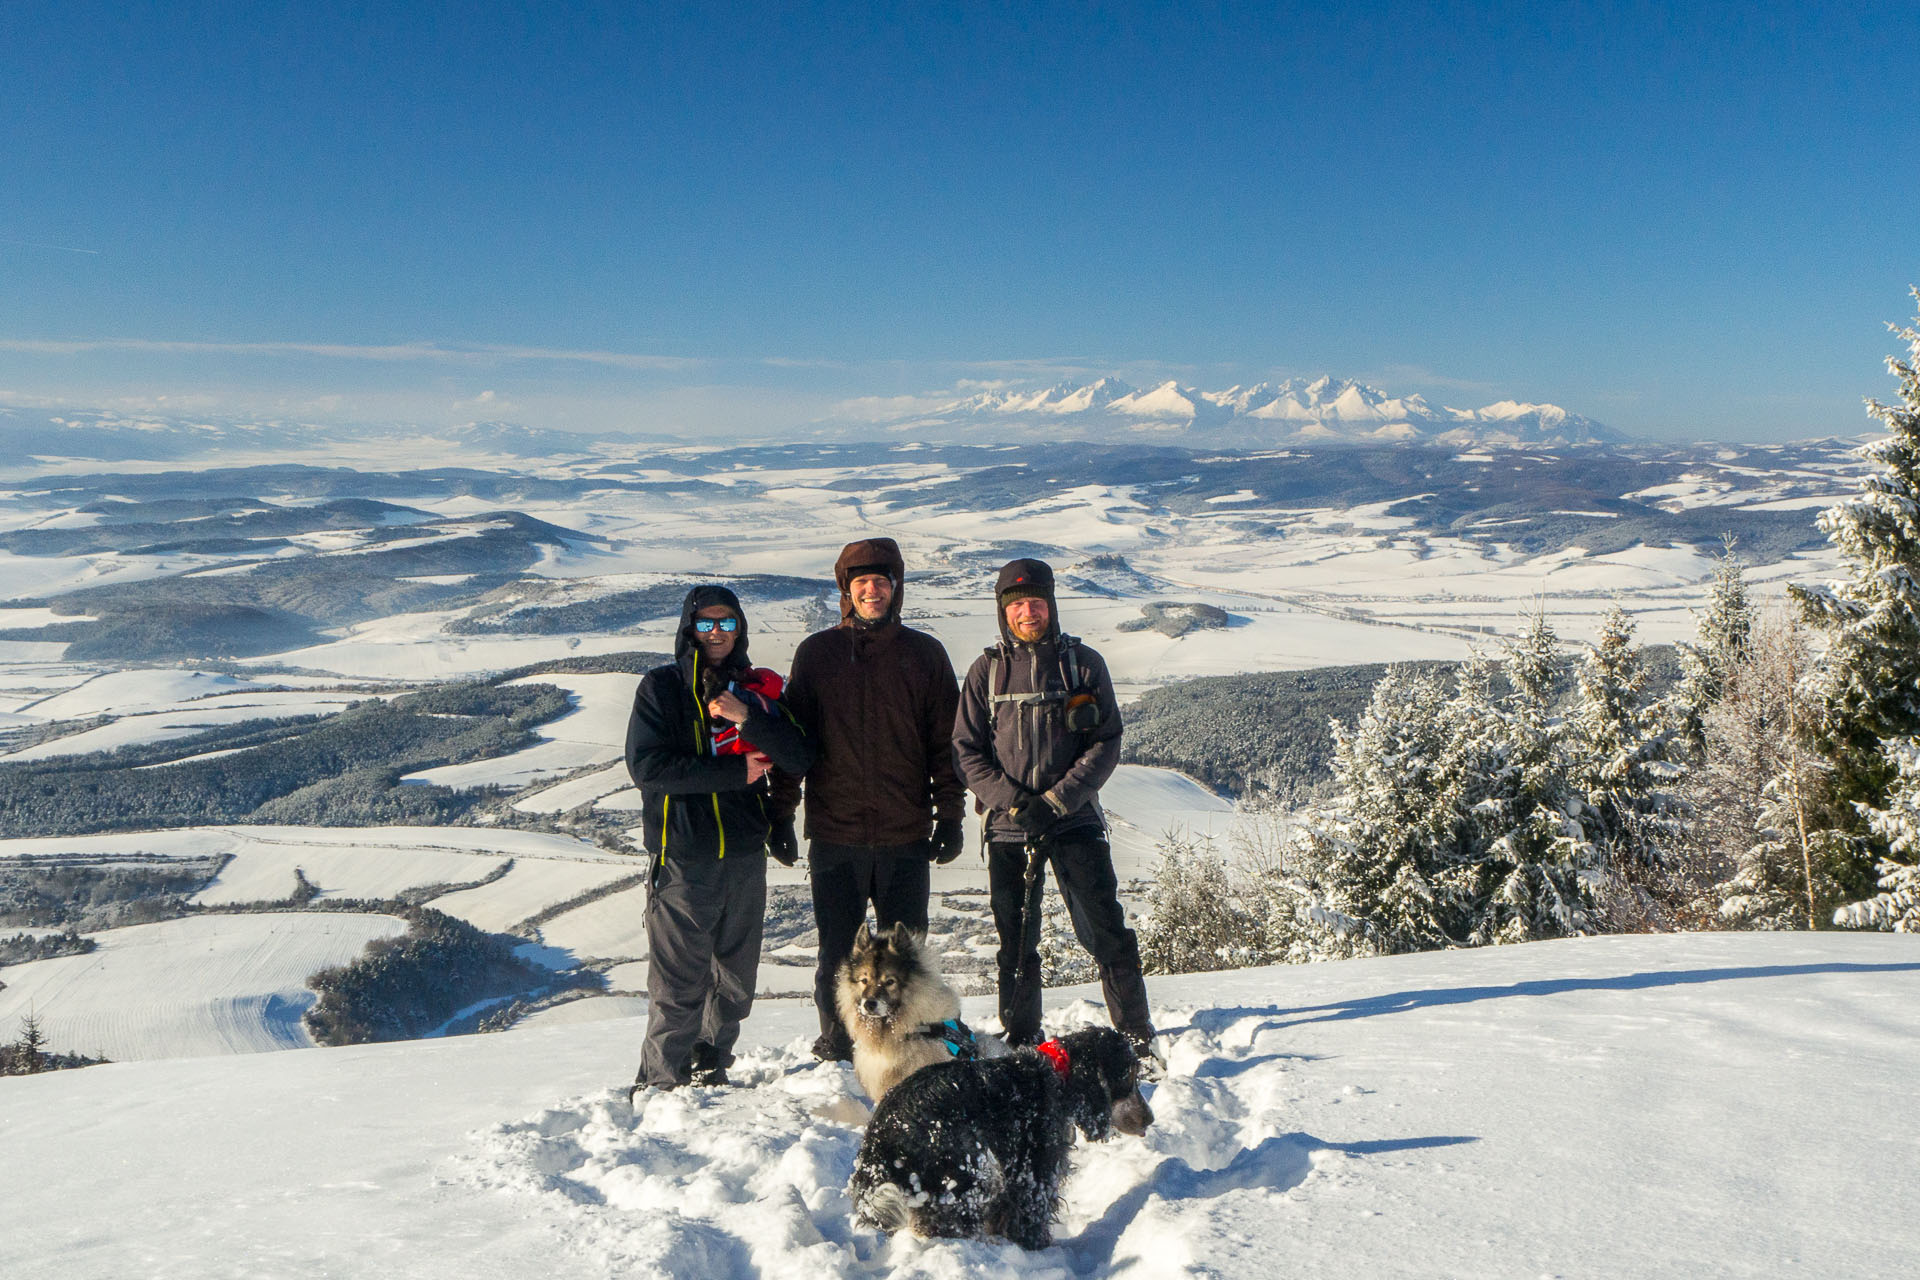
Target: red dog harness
(1052,1050)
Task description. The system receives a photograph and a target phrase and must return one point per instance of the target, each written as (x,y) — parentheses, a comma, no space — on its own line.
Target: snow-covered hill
(1295,412)
(1713,1105)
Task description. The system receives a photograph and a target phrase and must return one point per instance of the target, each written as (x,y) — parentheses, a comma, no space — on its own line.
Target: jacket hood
(881,552)
(1025,578)
(704,597)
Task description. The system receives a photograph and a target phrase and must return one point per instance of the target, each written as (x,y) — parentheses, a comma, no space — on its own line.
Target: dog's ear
(1103,1089)
(863,939)
(905,939)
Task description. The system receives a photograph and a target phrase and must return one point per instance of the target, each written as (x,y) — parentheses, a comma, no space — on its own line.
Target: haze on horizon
(621,217)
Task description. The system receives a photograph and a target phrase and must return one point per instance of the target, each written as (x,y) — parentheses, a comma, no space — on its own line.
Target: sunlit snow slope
(1715,1105)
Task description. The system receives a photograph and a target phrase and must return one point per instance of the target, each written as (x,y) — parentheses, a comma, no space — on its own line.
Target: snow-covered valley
(1700,1105)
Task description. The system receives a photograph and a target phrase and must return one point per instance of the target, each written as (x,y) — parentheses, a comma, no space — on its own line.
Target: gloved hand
(948,838)
(1034,816)
(783,844)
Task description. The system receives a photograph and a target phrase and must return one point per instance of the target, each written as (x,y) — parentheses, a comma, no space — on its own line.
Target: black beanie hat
(1021,578)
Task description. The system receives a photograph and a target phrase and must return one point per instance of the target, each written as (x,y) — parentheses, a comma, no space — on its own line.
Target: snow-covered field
(1700,1106)
(214,984)
(1715,1105)
(363,862)
(1145,805)
(593,732)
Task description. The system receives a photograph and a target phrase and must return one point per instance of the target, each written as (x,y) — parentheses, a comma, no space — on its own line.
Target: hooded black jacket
(696,804)
(1026,749)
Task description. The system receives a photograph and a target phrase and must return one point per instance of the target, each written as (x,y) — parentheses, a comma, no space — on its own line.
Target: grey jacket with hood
(695,804)
(1010,737)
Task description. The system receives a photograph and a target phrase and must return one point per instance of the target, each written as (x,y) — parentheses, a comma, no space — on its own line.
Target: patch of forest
(20,948)
(128,631)
(284,603)
(341,770)
(407,986)
(1171,618)
(616,610)
(208,525)
(635,662)
(1270,734)
(87,894)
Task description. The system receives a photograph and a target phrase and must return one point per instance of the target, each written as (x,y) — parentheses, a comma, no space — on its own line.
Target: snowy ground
(361,862)
(1717,1105)
(182,988)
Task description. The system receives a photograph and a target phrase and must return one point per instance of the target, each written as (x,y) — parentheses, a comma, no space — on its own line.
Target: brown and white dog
(899,1012)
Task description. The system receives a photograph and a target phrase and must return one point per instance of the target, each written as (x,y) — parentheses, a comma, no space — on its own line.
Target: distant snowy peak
(1298,410)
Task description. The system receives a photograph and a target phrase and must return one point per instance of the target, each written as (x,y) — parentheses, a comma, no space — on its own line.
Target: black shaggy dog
(979,1148)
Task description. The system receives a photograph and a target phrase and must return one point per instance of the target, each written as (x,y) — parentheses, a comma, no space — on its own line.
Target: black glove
(949,836)
(1034,816)
(783,845)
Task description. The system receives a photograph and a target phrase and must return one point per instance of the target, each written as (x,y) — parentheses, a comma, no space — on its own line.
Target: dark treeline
(344,769)
(76,895)
(406,986)
(23,947)
(1270,733)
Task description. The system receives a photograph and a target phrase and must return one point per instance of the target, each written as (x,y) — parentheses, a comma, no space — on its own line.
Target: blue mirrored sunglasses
(705,625)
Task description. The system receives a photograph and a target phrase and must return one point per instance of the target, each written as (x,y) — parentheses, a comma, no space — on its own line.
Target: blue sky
(704,217)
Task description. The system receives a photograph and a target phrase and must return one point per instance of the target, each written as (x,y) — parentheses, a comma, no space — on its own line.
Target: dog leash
(1034,856)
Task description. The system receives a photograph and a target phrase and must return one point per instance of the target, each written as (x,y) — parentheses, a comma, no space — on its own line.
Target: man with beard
(876,699)
(1038,734)
(705,731)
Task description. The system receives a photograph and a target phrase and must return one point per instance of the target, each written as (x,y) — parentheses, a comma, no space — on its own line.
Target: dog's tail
(887,1207)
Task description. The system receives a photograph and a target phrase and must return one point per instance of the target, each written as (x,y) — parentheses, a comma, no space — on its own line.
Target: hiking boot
(833,1046)
(707,1069)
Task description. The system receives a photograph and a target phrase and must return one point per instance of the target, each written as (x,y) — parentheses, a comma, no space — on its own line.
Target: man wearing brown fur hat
(1038,734)
(876,698)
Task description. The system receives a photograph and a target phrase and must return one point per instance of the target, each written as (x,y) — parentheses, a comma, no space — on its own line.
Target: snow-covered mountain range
(1298,411)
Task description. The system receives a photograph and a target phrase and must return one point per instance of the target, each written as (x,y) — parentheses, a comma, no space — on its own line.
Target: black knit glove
(949,836)
(783,844)
(1034,816)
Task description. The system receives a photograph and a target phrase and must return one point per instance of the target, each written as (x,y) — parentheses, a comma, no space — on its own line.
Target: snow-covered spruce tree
(1897,905)
(29,1056)
(1625,771)
(1870,678)
(1194,922)
(1759,789)
(1381,872)
(1539,871)
(1721,636)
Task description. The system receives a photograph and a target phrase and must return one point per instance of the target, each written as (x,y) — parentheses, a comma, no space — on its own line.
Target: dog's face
(879,970)
(1103,1084)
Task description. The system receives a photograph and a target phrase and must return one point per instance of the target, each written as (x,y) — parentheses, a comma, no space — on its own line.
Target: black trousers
(845,878)
(1083,868)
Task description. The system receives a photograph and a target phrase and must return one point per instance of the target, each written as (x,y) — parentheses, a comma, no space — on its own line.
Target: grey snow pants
(705,920)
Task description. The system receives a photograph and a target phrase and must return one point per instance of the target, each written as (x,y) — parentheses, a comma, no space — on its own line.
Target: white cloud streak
(393,353)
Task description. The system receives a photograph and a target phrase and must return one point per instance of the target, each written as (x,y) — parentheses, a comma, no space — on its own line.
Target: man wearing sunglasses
(705,731)
(883,800)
